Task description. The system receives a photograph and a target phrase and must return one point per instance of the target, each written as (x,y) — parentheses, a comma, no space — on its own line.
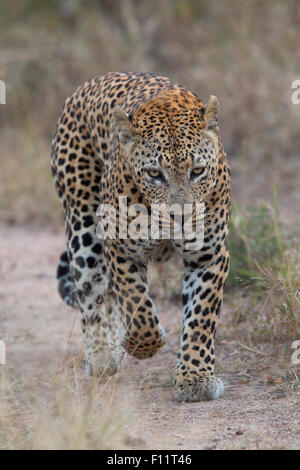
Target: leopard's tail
(65,284)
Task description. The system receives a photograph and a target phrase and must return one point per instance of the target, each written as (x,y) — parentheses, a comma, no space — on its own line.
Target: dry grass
(264,322)
(280,307)
(66,412)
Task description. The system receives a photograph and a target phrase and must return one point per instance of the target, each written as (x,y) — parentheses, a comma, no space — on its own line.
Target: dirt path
(36,325)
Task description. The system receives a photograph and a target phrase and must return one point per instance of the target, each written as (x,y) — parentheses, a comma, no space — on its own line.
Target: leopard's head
(171,146)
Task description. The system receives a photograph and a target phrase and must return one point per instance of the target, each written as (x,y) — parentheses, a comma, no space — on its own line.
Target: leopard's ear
(211,114)
(125,130)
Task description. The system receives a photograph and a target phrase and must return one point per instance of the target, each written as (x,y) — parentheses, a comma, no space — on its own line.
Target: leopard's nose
(180,197)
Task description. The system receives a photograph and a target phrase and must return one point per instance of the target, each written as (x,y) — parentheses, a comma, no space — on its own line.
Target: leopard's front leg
(143,334)
(202,297)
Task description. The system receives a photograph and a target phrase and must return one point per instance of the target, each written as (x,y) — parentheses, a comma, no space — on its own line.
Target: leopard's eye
(155,173)
(197,171)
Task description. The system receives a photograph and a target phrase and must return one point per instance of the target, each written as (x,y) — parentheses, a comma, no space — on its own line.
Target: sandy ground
(255,412)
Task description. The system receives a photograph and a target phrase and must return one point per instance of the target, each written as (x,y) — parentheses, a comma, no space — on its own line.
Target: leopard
(142,137)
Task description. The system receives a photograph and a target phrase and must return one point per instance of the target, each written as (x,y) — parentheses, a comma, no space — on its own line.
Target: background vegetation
(246,52)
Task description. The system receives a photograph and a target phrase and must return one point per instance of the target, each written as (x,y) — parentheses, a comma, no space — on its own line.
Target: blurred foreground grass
(96,417)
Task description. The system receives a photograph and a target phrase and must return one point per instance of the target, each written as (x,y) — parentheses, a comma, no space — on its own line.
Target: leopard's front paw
(193,388)
(146,344)
(105,362)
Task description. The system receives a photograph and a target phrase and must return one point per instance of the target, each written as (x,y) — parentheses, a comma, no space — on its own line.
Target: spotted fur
(114,132)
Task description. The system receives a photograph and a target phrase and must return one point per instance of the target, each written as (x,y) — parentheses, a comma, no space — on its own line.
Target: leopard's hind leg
(100,318)
(82,273)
